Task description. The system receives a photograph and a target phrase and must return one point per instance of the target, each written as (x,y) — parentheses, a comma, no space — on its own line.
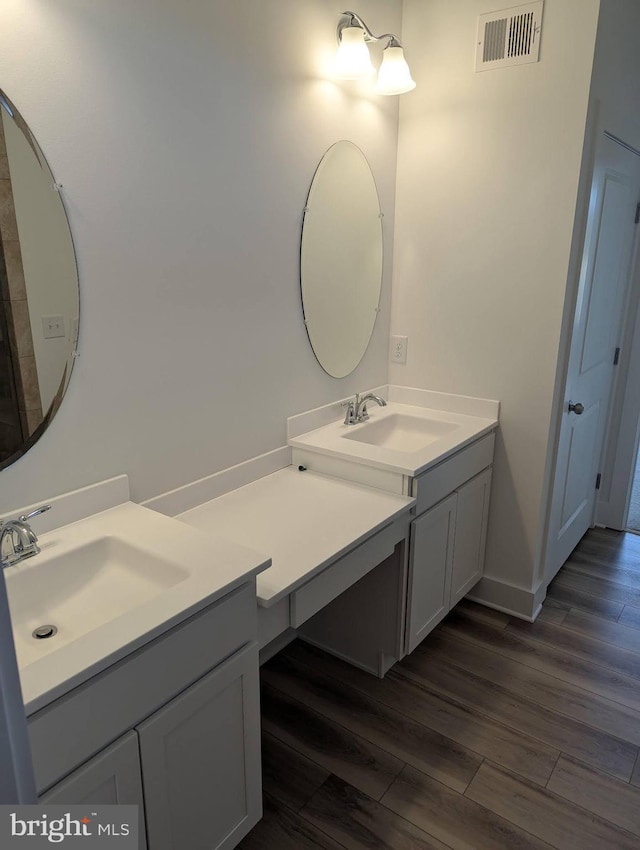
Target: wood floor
(493,733)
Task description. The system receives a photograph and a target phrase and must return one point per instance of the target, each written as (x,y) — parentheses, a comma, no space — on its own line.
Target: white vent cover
(509,37)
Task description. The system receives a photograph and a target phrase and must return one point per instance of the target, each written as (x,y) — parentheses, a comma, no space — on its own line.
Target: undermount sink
(106,584)
(79,589)
(399,438)
(401,432)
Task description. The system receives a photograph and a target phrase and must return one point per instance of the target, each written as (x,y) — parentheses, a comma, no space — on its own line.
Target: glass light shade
(353,61)
(394,76)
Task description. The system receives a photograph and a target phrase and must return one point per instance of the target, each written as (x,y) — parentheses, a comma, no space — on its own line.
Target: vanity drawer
(70,730)
(330,583)
(437,483)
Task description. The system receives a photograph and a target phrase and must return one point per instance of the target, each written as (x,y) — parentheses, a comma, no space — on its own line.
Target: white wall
(488,170)
(186,134)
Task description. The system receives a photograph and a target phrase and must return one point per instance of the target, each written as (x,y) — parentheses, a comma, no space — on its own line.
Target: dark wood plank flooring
(494,734)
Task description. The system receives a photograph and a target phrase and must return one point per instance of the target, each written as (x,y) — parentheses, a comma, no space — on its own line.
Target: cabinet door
(430,569)
(112,778)
(201,760)
(471,535)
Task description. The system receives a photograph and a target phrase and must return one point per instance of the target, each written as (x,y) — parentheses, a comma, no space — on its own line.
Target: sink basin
(401,432)
(108,583)
(79,589)
(398,439)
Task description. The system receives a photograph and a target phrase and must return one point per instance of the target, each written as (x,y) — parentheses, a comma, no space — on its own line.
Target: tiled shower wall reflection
(20,406)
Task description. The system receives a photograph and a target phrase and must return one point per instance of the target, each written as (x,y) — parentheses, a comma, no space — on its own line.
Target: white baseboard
(276,645)
(378,672)
(511,599)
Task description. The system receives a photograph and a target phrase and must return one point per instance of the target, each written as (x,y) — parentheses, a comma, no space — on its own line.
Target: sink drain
(43,632)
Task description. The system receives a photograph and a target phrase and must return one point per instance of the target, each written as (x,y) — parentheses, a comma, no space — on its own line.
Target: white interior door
(603,289)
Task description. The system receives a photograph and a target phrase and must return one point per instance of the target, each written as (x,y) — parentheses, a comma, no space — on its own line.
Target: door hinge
(616,357)
(598,480)
(638,213)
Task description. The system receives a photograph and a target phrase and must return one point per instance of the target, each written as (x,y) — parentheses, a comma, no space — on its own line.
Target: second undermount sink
(401,432)
(80,588)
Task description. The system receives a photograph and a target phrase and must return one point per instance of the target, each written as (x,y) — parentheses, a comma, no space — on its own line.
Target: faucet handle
(352,406)
(37,512)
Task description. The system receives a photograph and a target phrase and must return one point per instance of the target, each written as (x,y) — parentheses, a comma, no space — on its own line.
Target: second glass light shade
(394,76)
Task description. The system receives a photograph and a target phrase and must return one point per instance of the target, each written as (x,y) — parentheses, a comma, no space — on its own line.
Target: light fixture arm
(351,19)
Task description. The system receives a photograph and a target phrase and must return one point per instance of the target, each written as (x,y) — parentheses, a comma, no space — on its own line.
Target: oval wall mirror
(341,259)
(39,302)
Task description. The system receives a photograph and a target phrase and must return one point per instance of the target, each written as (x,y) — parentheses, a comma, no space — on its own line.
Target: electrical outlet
(398,349)
(52,326)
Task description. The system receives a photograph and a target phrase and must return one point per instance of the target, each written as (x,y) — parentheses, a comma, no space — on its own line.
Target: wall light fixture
(353,61)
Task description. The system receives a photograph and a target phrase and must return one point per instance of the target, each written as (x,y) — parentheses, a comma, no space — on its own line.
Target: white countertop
(304,520)
(212,566)
(336,439)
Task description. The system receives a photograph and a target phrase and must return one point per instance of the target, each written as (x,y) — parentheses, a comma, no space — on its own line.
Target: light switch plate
(52,327)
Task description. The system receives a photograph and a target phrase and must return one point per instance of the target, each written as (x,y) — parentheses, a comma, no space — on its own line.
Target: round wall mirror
(39,303)
(341,259)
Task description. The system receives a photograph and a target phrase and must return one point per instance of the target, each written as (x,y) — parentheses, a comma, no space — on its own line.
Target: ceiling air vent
(509,37)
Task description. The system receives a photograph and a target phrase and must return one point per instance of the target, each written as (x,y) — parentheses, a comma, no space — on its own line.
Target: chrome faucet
(17,536)
(357,408)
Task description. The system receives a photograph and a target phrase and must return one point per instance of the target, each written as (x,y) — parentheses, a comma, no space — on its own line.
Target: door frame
(594,131)
(621,447)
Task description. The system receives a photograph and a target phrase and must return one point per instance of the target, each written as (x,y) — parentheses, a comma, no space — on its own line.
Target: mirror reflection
(38,289)
(341,259)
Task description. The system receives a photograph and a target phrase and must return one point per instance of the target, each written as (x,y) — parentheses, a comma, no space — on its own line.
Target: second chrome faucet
(357,408)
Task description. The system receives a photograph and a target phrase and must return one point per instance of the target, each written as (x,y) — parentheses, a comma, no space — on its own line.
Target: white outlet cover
(398,350)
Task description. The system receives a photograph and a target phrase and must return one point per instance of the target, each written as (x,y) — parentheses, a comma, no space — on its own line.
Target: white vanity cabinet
(113,777)
(447,539)
(472,511)
(200,759)
(430,567)
(184,713)
(450,479)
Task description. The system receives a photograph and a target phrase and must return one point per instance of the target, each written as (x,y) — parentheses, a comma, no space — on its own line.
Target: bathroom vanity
(183,715)
(330,541)
(437,448)
(448,536)
(375,530)
(149,691)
